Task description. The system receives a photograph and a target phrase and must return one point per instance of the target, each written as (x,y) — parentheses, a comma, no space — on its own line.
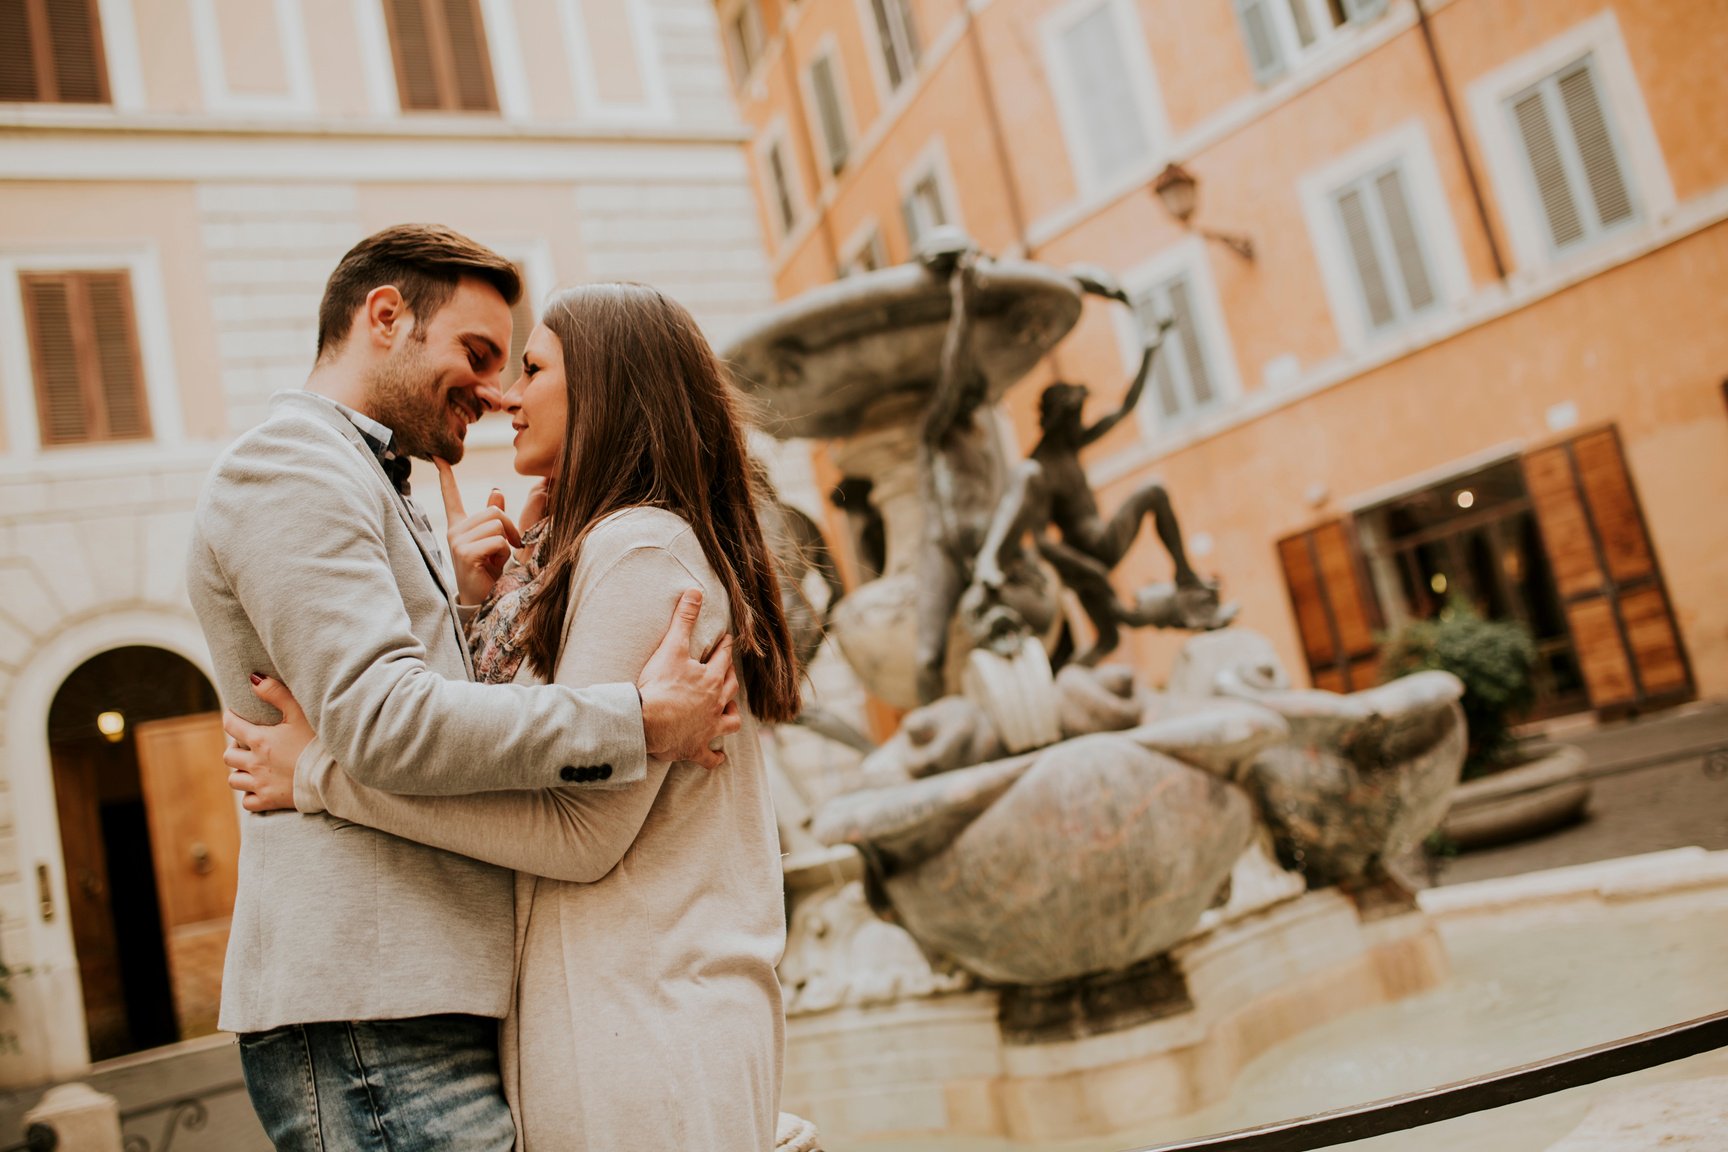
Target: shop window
(897,34)
(51,52)
(1394,279)
(439,47)
(1183,379)
(830,114)
(84,357)
(1572,156)
(1280,33)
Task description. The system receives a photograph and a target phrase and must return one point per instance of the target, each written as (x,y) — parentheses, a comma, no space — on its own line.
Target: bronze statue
(1051,487)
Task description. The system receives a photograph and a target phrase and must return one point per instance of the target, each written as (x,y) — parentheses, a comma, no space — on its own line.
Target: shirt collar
(376,434)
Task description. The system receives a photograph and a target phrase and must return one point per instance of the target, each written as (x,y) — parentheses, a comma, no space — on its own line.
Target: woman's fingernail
(257,679)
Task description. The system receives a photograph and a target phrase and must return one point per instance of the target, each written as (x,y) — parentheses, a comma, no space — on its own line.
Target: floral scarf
(497,636)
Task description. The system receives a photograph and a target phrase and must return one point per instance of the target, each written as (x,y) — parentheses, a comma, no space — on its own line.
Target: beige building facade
(177,178)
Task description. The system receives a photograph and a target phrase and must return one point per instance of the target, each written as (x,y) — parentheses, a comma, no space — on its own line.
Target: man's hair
(424,262)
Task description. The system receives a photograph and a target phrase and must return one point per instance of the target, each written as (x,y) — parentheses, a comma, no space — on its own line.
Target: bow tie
(397,469)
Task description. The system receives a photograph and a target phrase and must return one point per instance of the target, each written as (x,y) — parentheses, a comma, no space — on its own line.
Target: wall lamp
(1180,193)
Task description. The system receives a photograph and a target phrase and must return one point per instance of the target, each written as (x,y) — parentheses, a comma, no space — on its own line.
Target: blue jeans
(428,1084)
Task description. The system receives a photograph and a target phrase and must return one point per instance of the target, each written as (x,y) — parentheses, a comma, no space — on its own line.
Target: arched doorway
(150,840)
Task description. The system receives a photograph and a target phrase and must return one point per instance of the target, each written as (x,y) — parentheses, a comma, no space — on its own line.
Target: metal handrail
(1495,1090)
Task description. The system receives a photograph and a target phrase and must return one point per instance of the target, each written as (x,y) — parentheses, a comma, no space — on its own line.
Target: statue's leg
(1090,583)
(940,584)
(1151,499)
(1025,507)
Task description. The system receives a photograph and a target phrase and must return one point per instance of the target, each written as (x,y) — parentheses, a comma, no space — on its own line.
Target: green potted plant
(1505,795)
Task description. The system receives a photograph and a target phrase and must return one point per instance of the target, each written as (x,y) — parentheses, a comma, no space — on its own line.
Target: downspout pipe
(1475,182)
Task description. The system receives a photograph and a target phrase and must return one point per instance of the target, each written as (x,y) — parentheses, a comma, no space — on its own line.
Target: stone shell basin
(817,362)
(1088,856)
(1363,778)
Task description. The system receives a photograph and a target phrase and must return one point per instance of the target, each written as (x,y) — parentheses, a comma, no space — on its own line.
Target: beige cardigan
(650,919)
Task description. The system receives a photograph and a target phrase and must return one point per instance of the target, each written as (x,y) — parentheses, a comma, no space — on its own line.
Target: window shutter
(1362,11)
(51,52)
(18,79)
(1543,152)
(1615,600)
(1188,339)
(1261,38)
(1304,21)
(1336,612)
(1115,132)
(1590,135)
(470,63)
(909,34)
(1376,297)
(782,187)
(1406,246)
(84,352)
(441,59)
(822,82)
(885,33)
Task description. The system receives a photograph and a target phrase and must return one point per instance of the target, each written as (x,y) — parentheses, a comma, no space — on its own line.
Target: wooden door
(195,838)
(1336,612)
(1605,569)
(77,797)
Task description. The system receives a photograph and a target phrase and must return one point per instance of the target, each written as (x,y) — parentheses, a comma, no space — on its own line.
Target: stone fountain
(1051,883)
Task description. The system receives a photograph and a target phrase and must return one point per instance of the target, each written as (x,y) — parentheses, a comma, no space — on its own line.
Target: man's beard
(405,398)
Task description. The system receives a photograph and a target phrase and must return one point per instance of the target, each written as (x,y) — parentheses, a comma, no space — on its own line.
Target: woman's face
(539,405)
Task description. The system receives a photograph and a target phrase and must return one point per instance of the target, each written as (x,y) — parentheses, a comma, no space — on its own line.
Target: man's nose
(490,397)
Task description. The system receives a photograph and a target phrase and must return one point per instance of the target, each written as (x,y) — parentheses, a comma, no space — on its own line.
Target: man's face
(443,375)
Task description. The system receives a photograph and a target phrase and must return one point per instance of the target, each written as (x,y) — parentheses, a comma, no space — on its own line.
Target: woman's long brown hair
(654,422)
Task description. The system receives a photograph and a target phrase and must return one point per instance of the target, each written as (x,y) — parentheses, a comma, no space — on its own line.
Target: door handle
(201,862)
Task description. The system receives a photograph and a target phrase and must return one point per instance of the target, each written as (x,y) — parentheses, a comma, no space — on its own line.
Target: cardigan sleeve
(568,834)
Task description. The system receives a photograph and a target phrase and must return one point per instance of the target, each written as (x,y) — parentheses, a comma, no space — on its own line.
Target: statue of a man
(1051,488)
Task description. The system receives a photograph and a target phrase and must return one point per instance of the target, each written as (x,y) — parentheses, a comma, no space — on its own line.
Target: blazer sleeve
(294,526)
(562,833)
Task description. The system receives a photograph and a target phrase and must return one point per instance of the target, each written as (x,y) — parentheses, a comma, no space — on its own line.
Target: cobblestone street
(1654,787)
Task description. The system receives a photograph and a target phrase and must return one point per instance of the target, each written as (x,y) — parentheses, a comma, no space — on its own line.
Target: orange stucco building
(1447,313)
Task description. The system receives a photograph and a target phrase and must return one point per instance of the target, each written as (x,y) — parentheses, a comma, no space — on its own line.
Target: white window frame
(727,19)
(1408,147)
(776,135)
(143,267)
(656,102)
(1645,171)
(1142,80)
(886,91)
(1292,53)
(828,48)
(867,235)
(220,98)
(1187,258)
(931,161)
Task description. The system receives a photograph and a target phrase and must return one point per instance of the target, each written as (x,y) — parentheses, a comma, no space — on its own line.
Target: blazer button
(568,774)
(603,772)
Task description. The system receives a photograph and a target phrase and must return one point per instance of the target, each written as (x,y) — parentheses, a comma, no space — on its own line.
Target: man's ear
(386,316)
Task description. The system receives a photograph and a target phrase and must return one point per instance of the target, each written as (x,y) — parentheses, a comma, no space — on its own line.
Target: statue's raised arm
(1097,282)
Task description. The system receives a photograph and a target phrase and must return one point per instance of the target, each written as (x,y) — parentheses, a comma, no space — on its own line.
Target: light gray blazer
(306,565)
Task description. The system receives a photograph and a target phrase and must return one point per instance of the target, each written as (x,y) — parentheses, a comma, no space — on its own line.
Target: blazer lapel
(419,528)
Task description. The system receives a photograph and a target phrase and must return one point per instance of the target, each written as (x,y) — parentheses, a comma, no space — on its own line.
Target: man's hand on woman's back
(688,704)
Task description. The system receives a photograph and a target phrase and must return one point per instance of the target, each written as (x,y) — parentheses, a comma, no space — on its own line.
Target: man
(366,974)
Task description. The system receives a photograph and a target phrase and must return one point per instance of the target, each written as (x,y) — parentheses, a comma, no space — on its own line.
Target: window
(51,52)
(1394,279)
(441,58)
(1183,379)
(924,208)
(744,41)
(898,36)
(866,253)
(1572,156)
(1100,82)
(84,357)
(521,326)
(825,85)
(780,185)
(1278,33)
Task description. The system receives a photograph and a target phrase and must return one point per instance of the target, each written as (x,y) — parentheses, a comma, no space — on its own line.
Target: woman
(649,920)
